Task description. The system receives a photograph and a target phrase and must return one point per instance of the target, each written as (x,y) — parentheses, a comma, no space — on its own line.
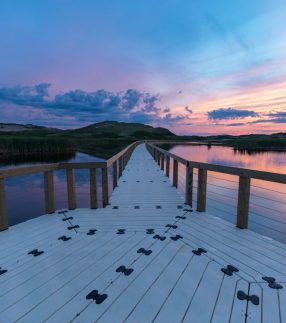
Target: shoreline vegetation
(104,139)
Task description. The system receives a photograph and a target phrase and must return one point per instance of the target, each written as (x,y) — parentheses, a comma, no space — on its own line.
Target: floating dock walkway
(146,257)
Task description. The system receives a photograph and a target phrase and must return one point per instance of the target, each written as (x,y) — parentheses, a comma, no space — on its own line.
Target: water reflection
(25,194)
(267,199)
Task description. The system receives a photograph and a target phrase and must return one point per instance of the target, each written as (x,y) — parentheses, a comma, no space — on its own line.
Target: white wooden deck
(169,283)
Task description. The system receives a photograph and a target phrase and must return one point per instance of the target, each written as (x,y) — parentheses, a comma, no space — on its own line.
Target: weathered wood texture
(93,188)
(243,202)
(71,189)
(49,192)
(3,211)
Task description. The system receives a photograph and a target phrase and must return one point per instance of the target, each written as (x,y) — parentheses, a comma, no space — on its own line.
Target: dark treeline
(29,146)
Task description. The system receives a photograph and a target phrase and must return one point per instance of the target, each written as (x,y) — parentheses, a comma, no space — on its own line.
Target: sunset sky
(195,67)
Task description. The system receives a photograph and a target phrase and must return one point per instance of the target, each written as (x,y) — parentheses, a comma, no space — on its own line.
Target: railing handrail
(244,184)
(230,170)
(118,162)
(18,171)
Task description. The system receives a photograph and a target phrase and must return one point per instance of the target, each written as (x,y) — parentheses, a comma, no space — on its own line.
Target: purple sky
(196,67)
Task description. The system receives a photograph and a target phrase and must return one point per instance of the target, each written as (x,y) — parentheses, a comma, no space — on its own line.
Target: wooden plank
(175,173)
(162,162)
(120,166)
(243,202)
(105,194)
(16,306)
(3,210)
(93,188)
(49,192)
(202,190)
(189,185)
(19,171)
(71,189)
(167,166)
(115,174)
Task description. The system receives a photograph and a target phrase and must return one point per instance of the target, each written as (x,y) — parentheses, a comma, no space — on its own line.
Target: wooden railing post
(114,174)
(202,190)
(105,186)
(49,192)
(159,159)
(167,166)
(3,210)
(243,202)
(162,162)
(120,166)
(175,173)
(71,189)
(93,188)
(189,185)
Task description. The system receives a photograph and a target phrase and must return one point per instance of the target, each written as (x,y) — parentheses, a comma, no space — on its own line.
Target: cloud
(236,124)
(272,120)
(277,114)
(188,109)
(230,114)
(129,105)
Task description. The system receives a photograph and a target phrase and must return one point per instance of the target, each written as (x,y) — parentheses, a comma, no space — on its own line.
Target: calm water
(267,200)
(25,194)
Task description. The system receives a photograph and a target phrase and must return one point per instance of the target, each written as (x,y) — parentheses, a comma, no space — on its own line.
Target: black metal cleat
(35,252)
(115,207)
(136,207)
(66,219)
(181,217)
(120,231)
(229,270)
(150,231)
(62,211)
(199,251)
(124,270)
(173,226)
(64,238)
(73,227)
(158,207)
(157,236)
(254,299)
(176,237)
(272,282)
(91,232)
(144,251)
(98,298)
(3,271)
(188,210)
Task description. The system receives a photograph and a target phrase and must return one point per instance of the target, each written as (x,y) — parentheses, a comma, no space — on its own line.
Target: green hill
(119,130)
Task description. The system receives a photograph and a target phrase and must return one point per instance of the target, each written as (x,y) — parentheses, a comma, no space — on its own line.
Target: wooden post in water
(175,173)
(49,192)
(167,166)
(243,202)
(93,188)
(202,190)
(105,186)
(189,185)
(114,174)
(3,210)
(71,189)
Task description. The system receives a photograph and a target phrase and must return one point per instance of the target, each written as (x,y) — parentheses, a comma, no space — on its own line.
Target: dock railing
(163,158)
(117,162)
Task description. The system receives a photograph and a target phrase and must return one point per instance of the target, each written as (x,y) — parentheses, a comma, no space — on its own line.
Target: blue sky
(194,59)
